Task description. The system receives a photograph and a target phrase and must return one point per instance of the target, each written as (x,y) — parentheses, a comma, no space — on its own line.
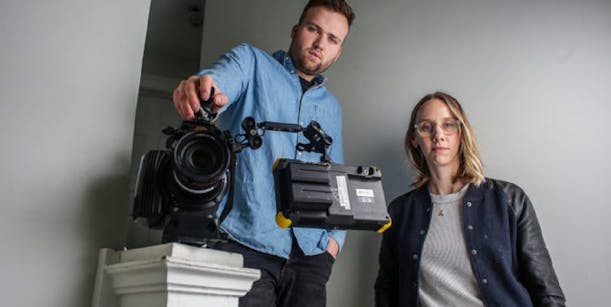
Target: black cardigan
(506,248)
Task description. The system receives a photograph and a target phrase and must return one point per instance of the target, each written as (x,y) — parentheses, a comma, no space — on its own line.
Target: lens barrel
(201,159)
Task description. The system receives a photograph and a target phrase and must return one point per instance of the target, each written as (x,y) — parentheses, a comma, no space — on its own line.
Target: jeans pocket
(330,257)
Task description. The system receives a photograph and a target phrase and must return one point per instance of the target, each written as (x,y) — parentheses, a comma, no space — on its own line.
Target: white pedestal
(171,275)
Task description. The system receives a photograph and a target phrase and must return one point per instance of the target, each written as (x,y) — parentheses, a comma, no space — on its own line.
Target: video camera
(179,189)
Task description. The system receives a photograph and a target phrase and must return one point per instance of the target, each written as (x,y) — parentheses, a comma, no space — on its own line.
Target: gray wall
(534,77)
(69,75)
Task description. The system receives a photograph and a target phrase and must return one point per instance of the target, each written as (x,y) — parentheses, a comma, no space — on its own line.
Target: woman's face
(438,136)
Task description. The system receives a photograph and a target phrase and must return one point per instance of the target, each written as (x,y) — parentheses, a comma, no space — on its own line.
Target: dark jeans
(299,281)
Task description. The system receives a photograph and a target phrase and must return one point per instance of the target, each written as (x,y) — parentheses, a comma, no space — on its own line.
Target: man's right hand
(187,95)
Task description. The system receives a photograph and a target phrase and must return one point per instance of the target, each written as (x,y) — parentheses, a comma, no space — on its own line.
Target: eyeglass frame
(456,125)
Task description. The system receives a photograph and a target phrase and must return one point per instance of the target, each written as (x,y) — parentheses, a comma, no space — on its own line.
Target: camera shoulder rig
(324,194)
(179,189)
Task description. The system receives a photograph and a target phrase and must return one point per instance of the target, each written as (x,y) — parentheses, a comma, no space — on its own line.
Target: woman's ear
(414,142)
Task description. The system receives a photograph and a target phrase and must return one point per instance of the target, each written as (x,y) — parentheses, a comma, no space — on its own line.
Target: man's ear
(294,31)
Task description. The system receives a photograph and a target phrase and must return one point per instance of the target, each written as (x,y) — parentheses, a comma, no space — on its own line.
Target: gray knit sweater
(446,277)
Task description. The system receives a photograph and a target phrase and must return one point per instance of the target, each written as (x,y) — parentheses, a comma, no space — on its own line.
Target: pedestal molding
(171,275)
(180,275)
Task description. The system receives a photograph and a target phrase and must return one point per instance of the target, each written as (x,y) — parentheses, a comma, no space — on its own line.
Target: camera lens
(204,156)
(201,159)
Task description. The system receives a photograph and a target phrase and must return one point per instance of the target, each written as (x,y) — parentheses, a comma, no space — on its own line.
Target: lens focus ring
(201,158)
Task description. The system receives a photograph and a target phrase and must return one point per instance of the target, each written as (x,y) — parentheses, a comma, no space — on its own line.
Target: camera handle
(319,141)
(205,112)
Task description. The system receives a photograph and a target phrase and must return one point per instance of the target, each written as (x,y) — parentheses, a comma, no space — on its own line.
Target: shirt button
(415,256)
(474,252)
(469,204)
(484,281)
(422,232)
(428,209)
(299,153)
(470,227)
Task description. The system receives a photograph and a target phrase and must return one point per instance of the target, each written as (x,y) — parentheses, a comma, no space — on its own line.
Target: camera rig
(179,189)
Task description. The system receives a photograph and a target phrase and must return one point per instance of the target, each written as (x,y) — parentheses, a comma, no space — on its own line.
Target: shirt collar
(286,61)
(473,193)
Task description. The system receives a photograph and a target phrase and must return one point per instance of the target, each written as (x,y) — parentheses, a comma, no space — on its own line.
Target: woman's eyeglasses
(427,128)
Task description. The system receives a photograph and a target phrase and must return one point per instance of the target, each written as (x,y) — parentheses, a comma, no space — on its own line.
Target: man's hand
(186,99)
(332,247)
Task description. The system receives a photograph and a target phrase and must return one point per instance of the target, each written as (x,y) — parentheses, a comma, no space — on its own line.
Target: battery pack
(329,195)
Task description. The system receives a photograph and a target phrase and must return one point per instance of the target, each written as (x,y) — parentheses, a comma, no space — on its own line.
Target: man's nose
(319,42)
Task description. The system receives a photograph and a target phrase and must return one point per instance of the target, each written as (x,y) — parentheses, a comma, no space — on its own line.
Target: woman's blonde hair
(470,168)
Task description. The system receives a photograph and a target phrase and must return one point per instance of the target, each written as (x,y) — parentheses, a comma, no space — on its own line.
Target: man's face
(317,41)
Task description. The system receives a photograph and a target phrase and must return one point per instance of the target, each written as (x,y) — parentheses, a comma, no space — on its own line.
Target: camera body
(179,189)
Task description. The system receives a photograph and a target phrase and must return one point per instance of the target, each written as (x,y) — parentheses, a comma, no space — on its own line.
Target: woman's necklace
(442,207)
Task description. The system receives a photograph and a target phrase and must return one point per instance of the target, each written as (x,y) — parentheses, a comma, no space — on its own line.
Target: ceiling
(175,29)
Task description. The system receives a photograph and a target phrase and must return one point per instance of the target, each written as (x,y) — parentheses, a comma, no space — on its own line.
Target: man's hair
(470,168)
(339,6)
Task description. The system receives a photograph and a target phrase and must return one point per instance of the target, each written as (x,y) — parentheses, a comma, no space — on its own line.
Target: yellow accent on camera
(275,165)
(386,226)
(282,220)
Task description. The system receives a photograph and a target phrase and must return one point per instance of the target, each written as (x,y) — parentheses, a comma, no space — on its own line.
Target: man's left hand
(332,247)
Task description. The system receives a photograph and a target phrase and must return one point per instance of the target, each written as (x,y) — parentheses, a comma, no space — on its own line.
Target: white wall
(534,77)
(69,75)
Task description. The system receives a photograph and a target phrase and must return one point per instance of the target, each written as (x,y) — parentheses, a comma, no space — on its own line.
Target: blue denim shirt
(268,88)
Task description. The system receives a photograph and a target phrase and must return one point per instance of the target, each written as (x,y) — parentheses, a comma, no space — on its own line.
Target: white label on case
(364,192)
(342,192)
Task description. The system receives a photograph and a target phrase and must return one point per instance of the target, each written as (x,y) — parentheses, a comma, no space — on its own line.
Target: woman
(458,238)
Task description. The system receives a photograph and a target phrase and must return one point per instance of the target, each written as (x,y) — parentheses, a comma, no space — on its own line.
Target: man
(284,87)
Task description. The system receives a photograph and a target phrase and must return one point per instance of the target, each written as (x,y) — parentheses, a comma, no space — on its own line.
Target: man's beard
(311,70)
(303,65)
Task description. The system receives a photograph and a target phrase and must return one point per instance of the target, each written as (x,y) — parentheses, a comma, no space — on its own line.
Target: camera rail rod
(319,139)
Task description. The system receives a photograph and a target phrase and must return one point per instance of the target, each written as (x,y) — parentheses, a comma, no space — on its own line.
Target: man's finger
(190,92)
(183,110)
(220,100)
(205,83)
(180,100)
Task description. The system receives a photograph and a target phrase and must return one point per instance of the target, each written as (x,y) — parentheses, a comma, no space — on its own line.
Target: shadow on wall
(397,173)
(355,271)
(103,223)
(140,235)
